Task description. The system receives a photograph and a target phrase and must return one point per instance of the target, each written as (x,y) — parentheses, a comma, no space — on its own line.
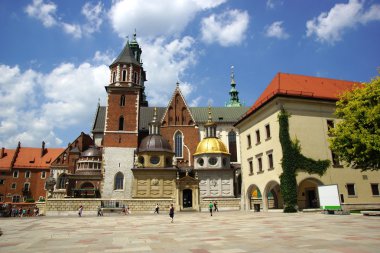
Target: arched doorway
(255,197)
(273,195)
(308,193)
(187,200)
(87,190)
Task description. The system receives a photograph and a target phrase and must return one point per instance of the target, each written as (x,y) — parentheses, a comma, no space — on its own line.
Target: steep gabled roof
(292,85)
(6,160)
(177,91)
(99,121)
(31,157)
(126,56)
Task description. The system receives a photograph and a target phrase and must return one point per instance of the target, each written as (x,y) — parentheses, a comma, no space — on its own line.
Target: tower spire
(210,126)
(234,94)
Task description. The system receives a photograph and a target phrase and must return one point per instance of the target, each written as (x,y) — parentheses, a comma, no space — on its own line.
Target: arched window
(135,77)
(62,181)
(232,145)
(122,100)
(124,75)
(119,181)
(113,76)
(178,144)
(121,123)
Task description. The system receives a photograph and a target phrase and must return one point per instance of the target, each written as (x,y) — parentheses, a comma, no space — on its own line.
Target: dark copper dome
(92,152)
(155,143)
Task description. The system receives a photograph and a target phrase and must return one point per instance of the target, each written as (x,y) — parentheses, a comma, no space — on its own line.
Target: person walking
(171,212)
(156,210)
(210,206)
(216,206)
(100,212)
(80,211)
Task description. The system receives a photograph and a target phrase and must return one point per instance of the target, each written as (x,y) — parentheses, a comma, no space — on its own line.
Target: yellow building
(310,101)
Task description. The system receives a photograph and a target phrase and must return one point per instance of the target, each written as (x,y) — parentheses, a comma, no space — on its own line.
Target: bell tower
(125,96)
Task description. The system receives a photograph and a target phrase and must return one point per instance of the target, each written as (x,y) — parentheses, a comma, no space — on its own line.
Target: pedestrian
(156,210)
(210,206)
(80,211)
(171,212)
(216,206)
(124,210)
(100,212)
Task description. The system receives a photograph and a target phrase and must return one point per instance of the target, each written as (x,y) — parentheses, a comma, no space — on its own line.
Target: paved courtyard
(225,232)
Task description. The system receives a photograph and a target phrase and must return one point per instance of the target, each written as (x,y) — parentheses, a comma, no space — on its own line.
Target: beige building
(311,103)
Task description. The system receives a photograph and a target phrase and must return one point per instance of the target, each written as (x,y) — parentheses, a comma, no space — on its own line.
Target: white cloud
(46,13)
(165,63)
(275,30)
(164,17)
(227,29)
(271,4)
(329,27)
(43,12)
(38,104)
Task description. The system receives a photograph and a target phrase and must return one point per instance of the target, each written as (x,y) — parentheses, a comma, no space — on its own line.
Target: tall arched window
(121,123)
(232,145)
(178,144)
(62,181)
(113,76)
(124,75)
(122,100)
(119,181)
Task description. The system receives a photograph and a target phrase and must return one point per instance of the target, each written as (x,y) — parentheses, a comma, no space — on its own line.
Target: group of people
(213,205)
(21,212)
(171,211)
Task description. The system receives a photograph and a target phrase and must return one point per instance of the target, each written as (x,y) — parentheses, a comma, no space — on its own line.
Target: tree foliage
(293,161)
(356,139)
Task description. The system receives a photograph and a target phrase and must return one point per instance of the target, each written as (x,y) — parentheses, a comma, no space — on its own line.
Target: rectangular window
(335,159)
(16,198)
(351,190)
(13,186)
(1,181)
(267,131)
(15,174)
(249,141)
(270,160)
(43,174)
(26,187)
(27,174)
(1,198)
(250,167)
(257,137)
(330,124)
(260,164)
(375,189)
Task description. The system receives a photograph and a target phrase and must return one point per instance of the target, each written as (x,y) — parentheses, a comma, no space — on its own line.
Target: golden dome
(211,145)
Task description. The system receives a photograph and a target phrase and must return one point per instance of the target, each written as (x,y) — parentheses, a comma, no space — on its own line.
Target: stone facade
(216,183)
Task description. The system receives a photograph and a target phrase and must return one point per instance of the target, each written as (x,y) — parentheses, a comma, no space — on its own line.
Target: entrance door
(187,198)
(311,199)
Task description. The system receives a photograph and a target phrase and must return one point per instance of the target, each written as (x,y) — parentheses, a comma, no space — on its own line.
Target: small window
(335,159)
(122,100)
(330,124)
(15,174)
(26,187)
(121,123)
(201,161)
(13,186)
(212,160)
(154,160)
(119,181)
(267,131)
(224,161)
(27,174)
(375,189)
(260,164)
(16,198)
(135,77)
(1,181)
(43,174)
(114,77)
(258,137)
(351,190)
(249,141)
(124,75)
(1,198)
(250,163)
(270,160)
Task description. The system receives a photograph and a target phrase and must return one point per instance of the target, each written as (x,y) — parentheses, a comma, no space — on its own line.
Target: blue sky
(54,55)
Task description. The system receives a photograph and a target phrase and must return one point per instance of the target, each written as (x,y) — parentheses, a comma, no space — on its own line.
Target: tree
(356,139)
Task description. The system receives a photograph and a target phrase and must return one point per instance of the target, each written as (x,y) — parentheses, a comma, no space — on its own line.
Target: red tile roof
(31,157)
(6,160)
(302,86)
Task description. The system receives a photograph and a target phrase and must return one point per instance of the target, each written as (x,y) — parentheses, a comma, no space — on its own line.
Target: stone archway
(307,193)
(273,198)
(254,196)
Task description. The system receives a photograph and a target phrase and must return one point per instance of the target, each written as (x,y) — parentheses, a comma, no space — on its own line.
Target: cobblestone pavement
(225,232)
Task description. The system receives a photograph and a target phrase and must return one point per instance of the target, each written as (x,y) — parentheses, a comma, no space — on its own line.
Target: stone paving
(225,232)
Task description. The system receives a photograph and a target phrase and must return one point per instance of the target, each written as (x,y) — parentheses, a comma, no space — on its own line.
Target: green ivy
(293,161)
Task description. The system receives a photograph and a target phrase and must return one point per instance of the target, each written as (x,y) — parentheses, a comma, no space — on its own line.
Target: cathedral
(186,155)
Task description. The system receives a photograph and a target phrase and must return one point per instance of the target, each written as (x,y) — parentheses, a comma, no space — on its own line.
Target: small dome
(155,143)
(211,145)
(92,152)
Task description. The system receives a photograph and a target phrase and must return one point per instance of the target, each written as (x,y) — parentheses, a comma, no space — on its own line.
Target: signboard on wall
(329,197)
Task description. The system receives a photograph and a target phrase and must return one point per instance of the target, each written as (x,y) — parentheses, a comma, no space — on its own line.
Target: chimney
(43,149)
(2,153)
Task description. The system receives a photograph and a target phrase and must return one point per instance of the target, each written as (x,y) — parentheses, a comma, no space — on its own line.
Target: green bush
(29,200)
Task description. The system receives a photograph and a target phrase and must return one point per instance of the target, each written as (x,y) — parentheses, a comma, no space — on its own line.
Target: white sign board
(329,197)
